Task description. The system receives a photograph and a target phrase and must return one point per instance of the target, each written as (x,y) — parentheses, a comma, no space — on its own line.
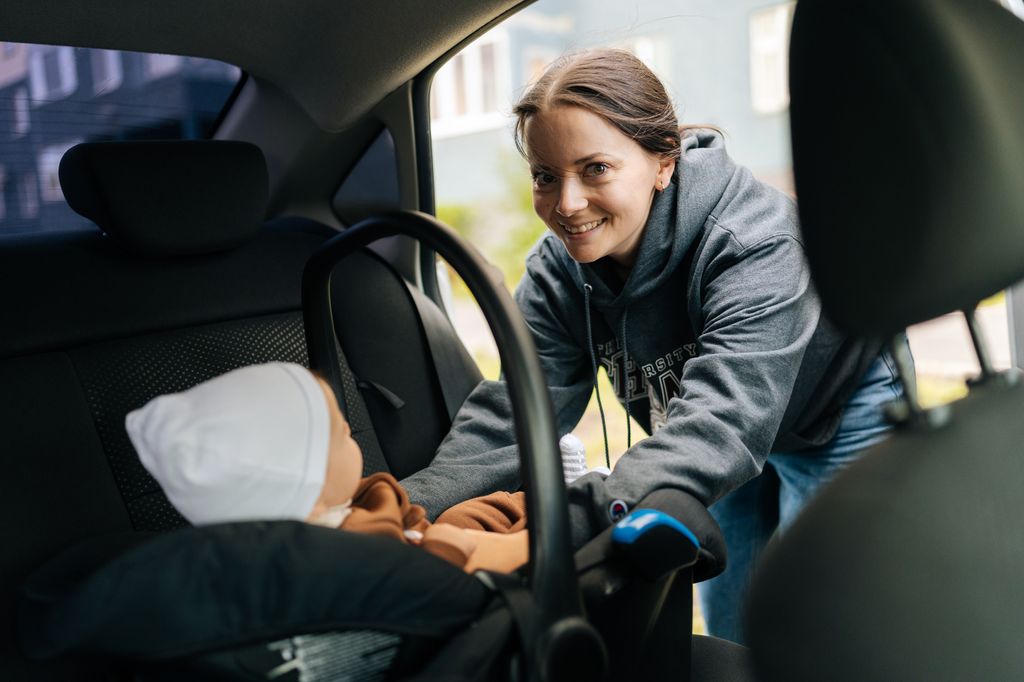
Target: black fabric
(55,489)
(913,212)
(78,288)
(203,589)
(352,656)
(457,370)
(169,198)
(719,660)
(379,329)
(120,376)
(908,566)
(354,409)
(475,654)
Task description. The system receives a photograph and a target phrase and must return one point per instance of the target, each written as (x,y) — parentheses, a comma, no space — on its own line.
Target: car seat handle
(552,576)
(654,543)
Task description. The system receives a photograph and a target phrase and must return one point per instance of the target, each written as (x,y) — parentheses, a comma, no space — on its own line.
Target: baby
(270,442)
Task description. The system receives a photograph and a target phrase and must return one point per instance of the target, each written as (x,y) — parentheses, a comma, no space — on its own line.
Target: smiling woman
(685,278)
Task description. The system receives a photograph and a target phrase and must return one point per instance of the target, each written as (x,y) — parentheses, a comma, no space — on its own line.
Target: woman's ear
(666,167)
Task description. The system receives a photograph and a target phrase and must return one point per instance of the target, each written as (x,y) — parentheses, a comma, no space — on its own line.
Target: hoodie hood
(676,219)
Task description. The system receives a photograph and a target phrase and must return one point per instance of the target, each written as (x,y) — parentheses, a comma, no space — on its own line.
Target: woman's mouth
(582,228)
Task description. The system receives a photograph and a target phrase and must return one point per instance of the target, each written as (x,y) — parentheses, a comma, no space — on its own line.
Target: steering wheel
(559,632)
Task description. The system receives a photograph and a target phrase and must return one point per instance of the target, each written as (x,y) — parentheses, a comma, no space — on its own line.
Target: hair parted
(616,86)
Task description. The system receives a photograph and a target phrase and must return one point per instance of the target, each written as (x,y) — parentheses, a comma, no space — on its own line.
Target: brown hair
(616,86)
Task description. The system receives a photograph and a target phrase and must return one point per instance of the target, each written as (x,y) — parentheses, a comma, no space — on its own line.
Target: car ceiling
(308,49)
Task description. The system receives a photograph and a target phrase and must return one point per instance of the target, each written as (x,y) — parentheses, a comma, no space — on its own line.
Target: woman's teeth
(585,227)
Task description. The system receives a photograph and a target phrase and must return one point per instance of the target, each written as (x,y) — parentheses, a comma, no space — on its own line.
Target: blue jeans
(751,514)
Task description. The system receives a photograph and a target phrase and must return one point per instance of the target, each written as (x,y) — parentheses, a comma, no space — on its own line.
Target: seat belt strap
(457,374)
(354,409)
(517,597)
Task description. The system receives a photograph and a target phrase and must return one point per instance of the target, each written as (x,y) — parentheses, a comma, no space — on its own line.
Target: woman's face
(592,185)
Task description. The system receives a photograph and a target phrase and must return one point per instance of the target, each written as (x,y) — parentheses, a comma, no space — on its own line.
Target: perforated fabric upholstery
(123,375)
(120,376)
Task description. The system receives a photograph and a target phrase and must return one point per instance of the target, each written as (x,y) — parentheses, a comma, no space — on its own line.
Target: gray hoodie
(716,343)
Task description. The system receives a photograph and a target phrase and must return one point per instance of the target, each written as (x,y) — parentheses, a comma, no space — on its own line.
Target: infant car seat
(285,600)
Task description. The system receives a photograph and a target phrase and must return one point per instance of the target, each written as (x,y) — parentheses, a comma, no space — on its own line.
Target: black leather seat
(908,134)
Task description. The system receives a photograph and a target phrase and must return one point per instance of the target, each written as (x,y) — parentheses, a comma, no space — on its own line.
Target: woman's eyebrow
(595,155)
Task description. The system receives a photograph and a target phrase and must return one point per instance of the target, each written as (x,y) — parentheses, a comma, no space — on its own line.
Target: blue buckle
(640,521)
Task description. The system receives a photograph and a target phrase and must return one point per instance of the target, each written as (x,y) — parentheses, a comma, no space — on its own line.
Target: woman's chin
(582,253)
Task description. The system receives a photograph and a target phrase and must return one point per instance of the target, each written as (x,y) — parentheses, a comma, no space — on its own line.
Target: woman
(685,278)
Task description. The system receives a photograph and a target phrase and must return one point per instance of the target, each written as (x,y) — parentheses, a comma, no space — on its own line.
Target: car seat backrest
(96,324)
(907,141)
(908,138)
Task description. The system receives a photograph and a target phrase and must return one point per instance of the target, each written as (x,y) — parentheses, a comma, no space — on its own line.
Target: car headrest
(169,198)
(908,154)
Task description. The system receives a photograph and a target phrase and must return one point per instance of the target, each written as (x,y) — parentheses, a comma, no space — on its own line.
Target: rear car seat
(184,282)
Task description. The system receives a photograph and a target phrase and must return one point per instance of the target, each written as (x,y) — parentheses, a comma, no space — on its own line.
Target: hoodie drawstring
(625,381)
(593,361)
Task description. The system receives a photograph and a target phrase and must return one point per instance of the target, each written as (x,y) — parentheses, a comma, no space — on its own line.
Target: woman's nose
(571,199)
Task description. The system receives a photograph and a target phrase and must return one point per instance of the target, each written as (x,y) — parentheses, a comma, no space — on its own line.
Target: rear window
(53,97)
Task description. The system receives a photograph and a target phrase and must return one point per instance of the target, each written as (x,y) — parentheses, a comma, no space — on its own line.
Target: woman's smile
(578,230)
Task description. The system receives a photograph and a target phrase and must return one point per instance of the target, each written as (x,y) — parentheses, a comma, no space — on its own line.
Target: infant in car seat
(270,442)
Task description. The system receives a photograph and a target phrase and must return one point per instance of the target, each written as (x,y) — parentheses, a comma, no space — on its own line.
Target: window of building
(52,73)
(21,112)
(49,166)
(3,193)
(536,60)
(107,73)
(160,65)
(28,195)
(470,92)
(1015,6)
(769,58)
(655,52)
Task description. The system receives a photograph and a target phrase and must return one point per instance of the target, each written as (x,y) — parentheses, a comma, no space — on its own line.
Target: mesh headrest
(169,198)
(908,146)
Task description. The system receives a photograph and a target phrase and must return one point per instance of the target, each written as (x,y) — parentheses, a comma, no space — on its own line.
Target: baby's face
(344,458)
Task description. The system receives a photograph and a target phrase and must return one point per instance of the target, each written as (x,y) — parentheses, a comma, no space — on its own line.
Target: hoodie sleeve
(758,313)
(479,455)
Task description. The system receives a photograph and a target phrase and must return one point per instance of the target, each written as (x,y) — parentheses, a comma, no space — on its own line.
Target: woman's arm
(479,455)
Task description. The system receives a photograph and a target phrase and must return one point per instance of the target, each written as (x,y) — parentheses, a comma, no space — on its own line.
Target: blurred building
(724,62)
(52,98)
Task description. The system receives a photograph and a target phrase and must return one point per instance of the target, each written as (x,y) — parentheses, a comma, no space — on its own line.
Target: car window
(53,97)
(724,63)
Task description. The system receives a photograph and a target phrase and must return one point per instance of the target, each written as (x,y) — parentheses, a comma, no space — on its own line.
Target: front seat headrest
(908,154)
(169,198)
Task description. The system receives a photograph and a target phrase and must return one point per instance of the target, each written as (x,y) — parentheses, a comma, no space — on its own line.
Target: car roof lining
(306,53)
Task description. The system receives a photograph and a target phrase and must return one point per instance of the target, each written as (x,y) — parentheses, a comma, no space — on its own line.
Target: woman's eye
(595,169)
(542,179)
